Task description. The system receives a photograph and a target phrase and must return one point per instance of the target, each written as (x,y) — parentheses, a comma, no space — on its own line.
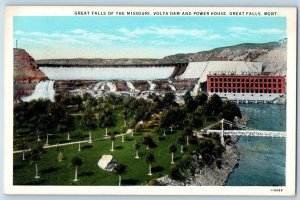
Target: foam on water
(152,85)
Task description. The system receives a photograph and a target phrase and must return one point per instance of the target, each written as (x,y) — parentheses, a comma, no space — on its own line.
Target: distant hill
(272,54)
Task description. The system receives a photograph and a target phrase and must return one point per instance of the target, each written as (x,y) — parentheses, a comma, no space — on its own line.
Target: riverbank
(209,175)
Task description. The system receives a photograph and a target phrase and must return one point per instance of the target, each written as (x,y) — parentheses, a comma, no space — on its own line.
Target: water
(107,73)
(43,90)
(262,159)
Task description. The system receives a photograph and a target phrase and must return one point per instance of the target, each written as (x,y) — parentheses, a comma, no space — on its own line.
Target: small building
(247,88)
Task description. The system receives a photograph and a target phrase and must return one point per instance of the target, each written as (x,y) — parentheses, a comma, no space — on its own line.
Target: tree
(107,119)
(36,153)
(80,137)
(88,120)
(112,138)
(172,150)
(125,115)
(119,169)
(181,143)
(175,173)
(137,147)
(60,156)
(148,141)
(200,99)
(169,99)
(24,146)
(76,161)
(230,111)
(188,132)
(149,160)
(215,104)
(190,105)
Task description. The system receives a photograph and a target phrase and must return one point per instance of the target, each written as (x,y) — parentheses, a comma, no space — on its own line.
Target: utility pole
(16,43)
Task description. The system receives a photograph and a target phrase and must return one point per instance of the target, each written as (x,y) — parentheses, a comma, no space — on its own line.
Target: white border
(9,188)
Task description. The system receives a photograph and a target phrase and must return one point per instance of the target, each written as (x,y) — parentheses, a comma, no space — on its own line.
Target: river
(262,159)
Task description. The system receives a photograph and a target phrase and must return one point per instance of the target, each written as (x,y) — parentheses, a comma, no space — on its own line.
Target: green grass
(53,172)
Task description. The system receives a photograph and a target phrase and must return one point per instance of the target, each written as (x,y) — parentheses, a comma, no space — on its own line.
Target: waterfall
(130,86)
(112,86)
(107,73)
(98,85)
(172,87)
(43,90)
(196,88)
(152,85)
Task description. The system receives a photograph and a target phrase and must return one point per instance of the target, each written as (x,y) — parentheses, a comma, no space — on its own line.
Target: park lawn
(53,172)
(57,138)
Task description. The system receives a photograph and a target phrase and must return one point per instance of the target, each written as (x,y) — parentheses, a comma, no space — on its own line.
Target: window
(269,85)
(212,79)
(238,84)
(217,84)
(229,90)
(247,84)
(279,85)
(256,85)
(233,90)
(225,79)
(269,80)
(279,90)
(238,90)
(243,90)
(212,84)
(225,90)
(238,80)
(225,84)
(229,79)
(221,84)
(233,84)
(261,91)
(221,90)
(216,90)
(229,84)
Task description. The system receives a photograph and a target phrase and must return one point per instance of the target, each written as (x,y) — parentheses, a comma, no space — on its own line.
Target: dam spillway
(147,72)
(127,73)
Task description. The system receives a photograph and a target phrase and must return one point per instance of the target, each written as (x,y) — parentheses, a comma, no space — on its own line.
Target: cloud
(239,31)
(168,32)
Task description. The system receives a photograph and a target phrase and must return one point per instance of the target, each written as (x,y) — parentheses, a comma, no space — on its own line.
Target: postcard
(150,100)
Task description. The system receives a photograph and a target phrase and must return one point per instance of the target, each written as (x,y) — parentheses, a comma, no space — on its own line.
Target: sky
(138,37)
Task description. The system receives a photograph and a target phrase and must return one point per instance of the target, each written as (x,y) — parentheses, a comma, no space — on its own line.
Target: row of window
(244,85)
(219,79)
(246,90)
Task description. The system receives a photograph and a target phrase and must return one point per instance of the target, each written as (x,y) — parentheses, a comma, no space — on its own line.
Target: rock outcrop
(26,74)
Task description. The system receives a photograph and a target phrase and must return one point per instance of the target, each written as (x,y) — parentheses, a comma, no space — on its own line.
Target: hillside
(272,54)
(26,73)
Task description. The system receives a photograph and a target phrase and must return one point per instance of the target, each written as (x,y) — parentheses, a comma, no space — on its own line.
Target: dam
(139,79)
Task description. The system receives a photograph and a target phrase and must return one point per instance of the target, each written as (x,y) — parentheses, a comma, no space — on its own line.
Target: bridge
(243,131)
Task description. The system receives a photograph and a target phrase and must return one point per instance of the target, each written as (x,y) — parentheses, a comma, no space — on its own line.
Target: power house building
(247,88)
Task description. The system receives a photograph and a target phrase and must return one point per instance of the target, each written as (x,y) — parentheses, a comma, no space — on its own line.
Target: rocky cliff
(26,73)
